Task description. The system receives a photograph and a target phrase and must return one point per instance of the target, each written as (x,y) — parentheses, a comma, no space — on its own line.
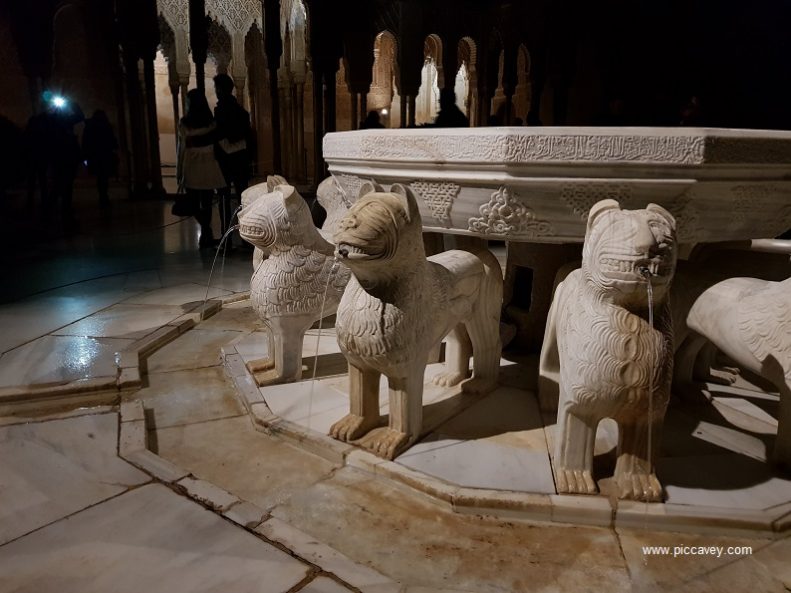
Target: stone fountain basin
(537,184)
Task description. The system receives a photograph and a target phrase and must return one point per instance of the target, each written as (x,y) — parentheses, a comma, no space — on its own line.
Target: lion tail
(490,299)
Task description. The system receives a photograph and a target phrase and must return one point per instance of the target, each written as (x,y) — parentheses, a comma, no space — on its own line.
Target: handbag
(184,205)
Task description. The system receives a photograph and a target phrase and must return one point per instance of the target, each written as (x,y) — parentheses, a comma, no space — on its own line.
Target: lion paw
(642,487)
(448,379)
(724,375)
(385,442)
(260,365)
(271,377)
(350,428)
(575,481)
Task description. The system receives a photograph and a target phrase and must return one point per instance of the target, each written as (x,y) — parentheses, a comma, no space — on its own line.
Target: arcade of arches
(305,67)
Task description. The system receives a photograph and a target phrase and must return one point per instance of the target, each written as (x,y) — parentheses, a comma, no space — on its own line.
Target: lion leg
(705,367)
(576,437)
(266,363)
(287,335)
(406,416)
(457,358)
(634,471)
(484,332)
(364,409)
(782,450)
(684,367)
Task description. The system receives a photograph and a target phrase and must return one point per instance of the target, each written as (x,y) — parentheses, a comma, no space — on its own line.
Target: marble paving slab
(234,276)
(324,585)
(49,470)
(726,481)
(179,294)
(37,316)
(184,397)
(142,281)
(198,348)
(256,344)
(60,359)
(150,539)
(124,321)
(497,443)
(234,316)
(318,405)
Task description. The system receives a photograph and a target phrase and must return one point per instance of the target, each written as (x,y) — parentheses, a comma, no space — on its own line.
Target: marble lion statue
(397,307)
(290,286)
(250,195)
(749,320)
(603,355)
(335,202)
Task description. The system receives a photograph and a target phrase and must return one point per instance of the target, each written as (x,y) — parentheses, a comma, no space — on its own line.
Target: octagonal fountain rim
(590,146)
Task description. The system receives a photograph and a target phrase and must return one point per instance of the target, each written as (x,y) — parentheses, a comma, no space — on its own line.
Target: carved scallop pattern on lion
(505,216)
(438,197)
(580,197)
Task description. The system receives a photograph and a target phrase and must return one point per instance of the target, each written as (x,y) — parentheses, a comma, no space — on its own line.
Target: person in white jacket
(198,172)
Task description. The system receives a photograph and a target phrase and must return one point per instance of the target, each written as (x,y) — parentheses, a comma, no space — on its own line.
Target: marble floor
(176,490)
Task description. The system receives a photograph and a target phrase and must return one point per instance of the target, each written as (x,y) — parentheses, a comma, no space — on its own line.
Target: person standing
(233,146)
(38,157)
(99,149)
(198,171)
(64,152)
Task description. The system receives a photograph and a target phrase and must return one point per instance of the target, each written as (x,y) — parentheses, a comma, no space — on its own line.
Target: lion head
(380,227)
(625,249)
(278,218)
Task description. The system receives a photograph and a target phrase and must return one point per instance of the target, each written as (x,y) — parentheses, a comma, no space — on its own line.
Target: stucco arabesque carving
(176,13)
(439,197)
(350,186)
(759,203)
(517,148)
(581,197)
(237,16)
(505,216)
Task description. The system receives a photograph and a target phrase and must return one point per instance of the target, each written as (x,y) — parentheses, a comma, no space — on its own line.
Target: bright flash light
(383,112)
(59,102)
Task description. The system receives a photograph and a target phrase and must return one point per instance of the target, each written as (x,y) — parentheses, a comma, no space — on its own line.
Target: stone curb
(327,558)
(131,446)
(508,505)
(264,419)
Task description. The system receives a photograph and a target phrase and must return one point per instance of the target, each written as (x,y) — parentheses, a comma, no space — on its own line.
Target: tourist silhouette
(450,116)
(234,144)
(371,121)
(198,172)
(99,149)
(64,156)
(36,149)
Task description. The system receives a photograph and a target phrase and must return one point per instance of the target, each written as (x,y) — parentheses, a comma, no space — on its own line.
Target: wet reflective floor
(69,300)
